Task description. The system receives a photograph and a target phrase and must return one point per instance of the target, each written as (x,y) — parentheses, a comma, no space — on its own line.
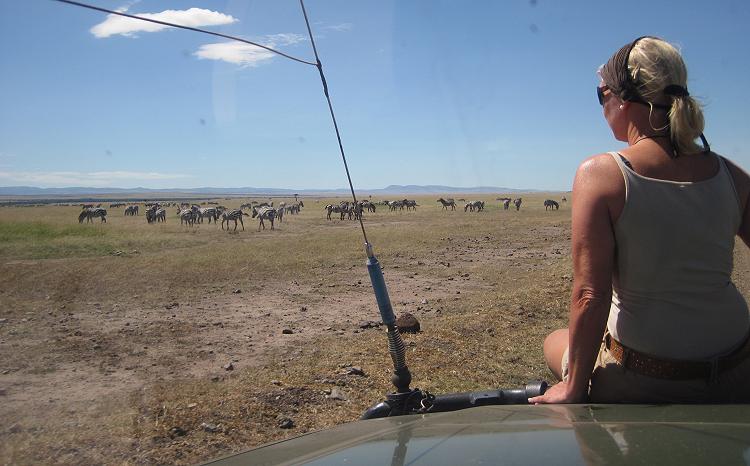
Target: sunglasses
(601,92)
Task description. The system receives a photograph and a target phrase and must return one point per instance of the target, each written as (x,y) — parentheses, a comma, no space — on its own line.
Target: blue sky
(460,93)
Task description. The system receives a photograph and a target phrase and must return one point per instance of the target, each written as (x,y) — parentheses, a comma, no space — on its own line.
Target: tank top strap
(625,168)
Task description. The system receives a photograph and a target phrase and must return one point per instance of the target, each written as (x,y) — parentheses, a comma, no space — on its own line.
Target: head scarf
(616,75)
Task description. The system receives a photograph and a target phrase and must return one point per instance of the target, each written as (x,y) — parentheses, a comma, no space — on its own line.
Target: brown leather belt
(674,369)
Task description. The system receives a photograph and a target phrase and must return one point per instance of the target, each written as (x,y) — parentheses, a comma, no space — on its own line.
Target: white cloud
(343,27)
(103,179)
(193,17)
(242,54)
(127,6)
(234,52)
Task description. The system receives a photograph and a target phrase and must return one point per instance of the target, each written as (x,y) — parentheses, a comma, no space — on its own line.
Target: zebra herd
(191,214)
(350,209)
(353,211)
(478,206)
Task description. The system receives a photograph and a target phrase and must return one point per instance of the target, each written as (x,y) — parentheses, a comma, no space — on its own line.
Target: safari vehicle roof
(513,434)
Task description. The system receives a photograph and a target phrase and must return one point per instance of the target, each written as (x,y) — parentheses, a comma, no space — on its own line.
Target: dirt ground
(104,380)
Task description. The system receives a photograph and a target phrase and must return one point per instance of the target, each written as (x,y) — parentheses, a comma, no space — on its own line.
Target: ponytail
(685,124)
(660,75)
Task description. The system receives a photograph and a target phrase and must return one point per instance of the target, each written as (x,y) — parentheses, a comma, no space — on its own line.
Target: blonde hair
(655,64)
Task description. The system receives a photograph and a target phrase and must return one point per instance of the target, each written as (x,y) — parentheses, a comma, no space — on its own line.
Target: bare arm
(742,185)
(598,194)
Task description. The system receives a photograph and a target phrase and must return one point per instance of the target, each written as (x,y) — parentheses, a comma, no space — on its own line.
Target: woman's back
(673,295)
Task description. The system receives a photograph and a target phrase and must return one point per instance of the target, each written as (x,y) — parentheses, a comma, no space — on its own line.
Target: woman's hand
(559,393)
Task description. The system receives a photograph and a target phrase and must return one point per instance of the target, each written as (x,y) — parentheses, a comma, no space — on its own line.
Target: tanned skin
(598,200)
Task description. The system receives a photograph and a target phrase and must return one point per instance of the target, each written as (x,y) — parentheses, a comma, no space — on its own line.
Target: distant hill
(251,191)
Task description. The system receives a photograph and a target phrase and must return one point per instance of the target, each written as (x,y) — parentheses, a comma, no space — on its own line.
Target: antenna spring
(396,347)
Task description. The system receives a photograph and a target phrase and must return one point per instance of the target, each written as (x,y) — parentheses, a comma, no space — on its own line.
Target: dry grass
(512,270)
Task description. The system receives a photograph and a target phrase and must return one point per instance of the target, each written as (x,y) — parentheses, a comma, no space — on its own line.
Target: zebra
(368,205)
(506,202)
(345,209)
(447,202)
(91,213)
(280,211)
(330,208)
(293,209)
(517,203)
(551,205)
(410,204)
(234,214)
(210,212)
(474,205)
(265,212)
(357,208)
(150,217)
(131,210)
(156,214)
(188,216)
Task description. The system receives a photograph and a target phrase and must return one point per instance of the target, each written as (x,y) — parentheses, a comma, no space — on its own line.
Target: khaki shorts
(612,383)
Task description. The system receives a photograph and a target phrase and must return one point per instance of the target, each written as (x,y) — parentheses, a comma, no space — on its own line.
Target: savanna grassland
(129,343)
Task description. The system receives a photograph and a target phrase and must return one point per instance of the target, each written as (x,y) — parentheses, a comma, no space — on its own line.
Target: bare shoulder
(600,173)
(739,175)
(598,162)
(741,181)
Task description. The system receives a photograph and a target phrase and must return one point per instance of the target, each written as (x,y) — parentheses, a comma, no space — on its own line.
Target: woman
(654,316)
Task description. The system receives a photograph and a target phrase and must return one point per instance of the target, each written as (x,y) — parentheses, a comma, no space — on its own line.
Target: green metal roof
(513,434)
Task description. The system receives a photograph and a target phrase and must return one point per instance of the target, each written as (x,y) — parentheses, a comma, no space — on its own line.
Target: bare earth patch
(182,354)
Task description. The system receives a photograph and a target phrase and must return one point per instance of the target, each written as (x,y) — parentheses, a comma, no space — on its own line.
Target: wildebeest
(551,205)
(517,203)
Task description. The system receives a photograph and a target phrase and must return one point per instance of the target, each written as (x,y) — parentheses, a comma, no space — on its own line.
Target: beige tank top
(672,291)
